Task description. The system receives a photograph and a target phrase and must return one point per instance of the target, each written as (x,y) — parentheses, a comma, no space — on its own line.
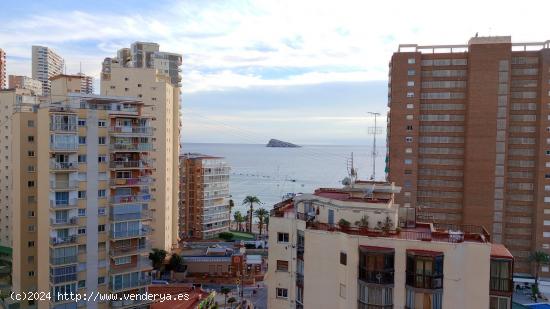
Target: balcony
(142,215)
(64,185)
(131,233)
(130,284)
(501,285)
(60,204)
(63,166)
(63,260)
(131,130)
(129,164)
(58,241)
(376,276)
(424,281)
(299,279)
(130,182)
(136,198)
(131,147)
(64,147)
(63,278)
(63,127)
(141,263)
(115,250)
(63,222)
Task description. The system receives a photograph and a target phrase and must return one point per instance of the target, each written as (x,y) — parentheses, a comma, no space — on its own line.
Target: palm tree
(238,216)
(539,258)
(157,256)
(261,214)
(251,200)
(231,205)
(225,291)
(266,222)
(176,262)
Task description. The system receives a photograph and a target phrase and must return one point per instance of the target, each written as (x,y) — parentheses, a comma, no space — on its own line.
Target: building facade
(204,207)
(469,137)
(375,258)
(46,64)
(161,94)
(3,80)
(81,198)
(25,82)
(77,83)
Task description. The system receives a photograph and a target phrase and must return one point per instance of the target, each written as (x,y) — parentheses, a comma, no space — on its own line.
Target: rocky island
(277,143)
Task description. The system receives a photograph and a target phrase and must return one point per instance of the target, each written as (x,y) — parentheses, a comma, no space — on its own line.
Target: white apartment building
(46,63)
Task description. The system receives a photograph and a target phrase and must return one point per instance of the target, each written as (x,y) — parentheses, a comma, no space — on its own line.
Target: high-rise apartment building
(352,247)
(204,205)
(45,64)
(25,82)
(81,198)
(469,137)
(149,79)
(3,80)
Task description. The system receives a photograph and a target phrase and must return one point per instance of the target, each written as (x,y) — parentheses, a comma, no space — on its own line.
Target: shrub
(227,236)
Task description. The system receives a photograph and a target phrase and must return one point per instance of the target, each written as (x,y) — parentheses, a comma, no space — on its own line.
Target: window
(81,122)
(30,214)
(410,83)
(102,159)
(81,231)
(82,212)
(101,228)
(409,128)
(282,265)
(82,140)
(30,244)
(411,61)
(409,117)
(123,260)
(101,140)
(30,184)
(81,284)
(30,123)
(282,237)
(342,290)
(81,158)
(408,150)
(139,85)
(81,194)
(408,161)
(101,211)
(30,228)
(30,153)
(101,280)
(282,293)
(101,193)
(31,273)
(30,139)
(411,72)
(101,123)
(31,169)
(408,172)
(410,94)
(343,258)
(410,106)
(409,139)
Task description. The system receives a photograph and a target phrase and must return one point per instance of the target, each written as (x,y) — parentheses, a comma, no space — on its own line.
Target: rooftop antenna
(352,171)
(374,131)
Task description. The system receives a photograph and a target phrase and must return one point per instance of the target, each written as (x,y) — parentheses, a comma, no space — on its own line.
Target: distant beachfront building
(204,202)
(25,82)
(355,248)
(46,64)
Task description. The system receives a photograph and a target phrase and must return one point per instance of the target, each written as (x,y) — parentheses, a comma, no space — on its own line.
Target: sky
(302,71)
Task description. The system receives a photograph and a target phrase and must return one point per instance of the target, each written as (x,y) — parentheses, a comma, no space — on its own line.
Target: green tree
(225,291)
(238,216)
(157,256)
(251,200)
(231,301)
(539,258)
(231,205)
(176,262)
(266,221)
(261,214)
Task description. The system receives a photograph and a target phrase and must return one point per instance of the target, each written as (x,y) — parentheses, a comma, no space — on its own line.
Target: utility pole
(374,131)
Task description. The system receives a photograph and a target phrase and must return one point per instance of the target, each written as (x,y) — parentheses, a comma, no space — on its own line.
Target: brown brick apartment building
(469,137)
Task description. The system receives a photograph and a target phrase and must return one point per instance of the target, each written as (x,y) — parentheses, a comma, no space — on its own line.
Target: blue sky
(304,71)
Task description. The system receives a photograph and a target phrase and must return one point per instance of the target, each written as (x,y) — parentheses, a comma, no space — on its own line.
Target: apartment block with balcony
(377,257)
(468,136)
(205,196)
(25,82)
(142,72)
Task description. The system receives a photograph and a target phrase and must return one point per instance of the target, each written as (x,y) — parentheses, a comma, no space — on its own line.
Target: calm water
(270,173)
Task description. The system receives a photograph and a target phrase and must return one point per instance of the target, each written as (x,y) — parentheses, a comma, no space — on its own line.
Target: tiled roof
(501,251)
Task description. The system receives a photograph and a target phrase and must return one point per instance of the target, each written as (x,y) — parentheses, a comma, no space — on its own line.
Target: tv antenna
(352,171)
(374,131)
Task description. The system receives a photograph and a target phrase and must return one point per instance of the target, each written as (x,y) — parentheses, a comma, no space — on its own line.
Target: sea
(271,173)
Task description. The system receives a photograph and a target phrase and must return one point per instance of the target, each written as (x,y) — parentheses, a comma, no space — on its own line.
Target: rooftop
(195,155)
(346,196)
(461,48)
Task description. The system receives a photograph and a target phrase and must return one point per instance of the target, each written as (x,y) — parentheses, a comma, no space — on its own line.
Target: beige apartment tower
(469,138)
(146,75)
(204,203)
(3,80)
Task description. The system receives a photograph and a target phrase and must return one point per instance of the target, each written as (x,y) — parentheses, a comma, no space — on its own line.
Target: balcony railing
(125,285)
(63,185)
(63,260)
(142,215)
(145,130)
(129,164)
(63,127)
(141,263)
(423,281)
(63,240)
(129,249)
(501,284)
(362,305)
(68,221)
(69,203)
(376,276)
(137,198)
(131,147)
(131,233)
(61,166)
(141,181)
(64,146)
(62,278)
